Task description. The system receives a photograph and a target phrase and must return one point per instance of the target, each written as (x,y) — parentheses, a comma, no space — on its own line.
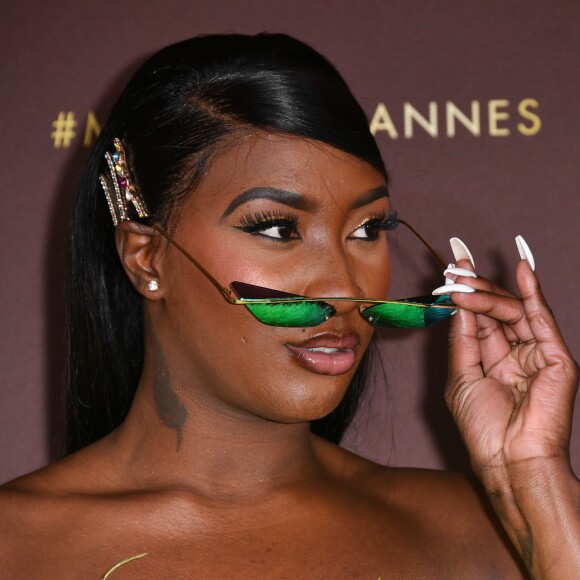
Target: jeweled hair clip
(119,186)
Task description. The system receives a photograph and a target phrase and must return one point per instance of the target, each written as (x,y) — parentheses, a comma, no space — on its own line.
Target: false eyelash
(388,221)
(383,221)
(253,223)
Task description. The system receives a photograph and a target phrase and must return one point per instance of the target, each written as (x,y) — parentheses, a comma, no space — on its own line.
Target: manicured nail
(449,267)
(461,251)
(525,252)
(448,288)
(460,272)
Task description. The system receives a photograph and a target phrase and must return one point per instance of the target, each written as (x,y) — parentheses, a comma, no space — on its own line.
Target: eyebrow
(295,200)
(289,198)
(370,196)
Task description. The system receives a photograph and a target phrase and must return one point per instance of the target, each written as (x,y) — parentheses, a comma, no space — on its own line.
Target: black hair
(181,105)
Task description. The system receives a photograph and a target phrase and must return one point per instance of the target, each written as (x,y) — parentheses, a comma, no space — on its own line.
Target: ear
(140,249)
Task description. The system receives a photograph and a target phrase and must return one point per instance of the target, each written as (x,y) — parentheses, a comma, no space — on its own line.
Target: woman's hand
(511,389)
(512,380)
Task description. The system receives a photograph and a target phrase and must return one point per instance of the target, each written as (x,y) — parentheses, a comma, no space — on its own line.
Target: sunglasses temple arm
(424,241)
(223,291)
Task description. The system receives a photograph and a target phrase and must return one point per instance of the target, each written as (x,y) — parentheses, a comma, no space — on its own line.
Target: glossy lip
(338,362)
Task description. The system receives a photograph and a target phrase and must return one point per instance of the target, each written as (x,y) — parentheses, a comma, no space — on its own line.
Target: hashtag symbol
(63,132)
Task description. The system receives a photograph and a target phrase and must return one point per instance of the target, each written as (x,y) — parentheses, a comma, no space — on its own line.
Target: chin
(311,400)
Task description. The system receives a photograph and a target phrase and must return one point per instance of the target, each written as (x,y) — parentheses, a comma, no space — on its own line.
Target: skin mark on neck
(170,409)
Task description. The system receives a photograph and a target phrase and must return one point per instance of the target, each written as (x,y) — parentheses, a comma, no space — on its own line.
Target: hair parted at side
(178,109)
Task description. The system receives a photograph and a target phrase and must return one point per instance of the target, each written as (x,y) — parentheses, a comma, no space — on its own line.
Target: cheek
(266,269)
(383,276)
(245,365)
(270,385)
(374,274)
(295,272)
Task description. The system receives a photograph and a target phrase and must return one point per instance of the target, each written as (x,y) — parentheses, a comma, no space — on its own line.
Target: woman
(246,161)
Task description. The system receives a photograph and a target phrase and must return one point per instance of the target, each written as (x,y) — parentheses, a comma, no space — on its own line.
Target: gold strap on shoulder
(122,563)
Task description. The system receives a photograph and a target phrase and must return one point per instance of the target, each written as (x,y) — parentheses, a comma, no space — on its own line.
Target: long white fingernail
(525,252)
(461,251)
(460,272)
(449,267)
(448,288)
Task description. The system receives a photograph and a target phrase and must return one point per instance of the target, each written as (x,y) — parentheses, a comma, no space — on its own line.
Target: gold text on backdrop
(499,113)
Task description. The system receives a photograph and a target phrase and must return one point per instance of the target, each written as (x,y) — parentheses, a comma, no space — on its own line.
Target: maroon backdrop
(475,108)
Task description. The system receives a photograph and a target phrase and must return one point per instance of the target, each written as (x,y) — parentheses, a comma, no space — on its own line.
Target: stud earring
(153,285)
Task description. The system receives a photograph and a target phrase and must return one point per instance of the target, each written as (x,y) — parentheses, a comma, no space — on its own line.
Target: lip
(328,353)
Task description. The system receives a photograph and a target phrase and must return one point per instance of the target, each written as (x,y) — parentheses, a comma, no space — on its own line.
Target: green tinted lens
(421,313)
(291,313)
(434,315)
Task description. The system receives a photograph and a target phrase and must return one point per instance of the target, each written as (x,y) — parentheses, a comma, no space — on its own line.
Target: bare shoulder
(40,512)
(27,502)
(434,492)
(445,512)
(24,505)
(430,490)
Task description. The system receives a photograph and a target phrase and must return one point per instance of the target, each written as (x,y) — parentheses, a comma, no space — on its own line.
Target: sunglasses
(276,308)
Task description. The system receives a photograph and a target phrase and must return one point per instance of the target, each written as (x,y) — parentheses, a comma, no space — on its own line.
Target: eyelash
(379,222)
(258,222)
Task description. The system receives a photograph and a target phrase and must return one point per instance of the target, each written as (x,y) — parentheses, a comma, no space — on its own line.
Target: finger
(464,351)
(466,285)
(507,310)
(540,316)
(541,320)
(460,276)
(480,338)
(559,370)
(495,337)
(494,344)
(488,326)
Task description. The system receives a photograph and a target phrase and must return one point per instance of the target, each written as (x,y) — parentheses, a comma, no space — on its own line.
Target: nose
(335,274)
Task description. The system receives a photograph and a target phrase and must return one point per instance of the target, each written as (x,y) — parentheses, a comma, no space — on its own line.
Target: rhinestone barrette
(119,187)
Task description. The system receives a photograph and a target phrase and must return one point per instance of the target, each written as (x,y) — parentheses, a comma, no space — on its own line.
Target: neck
(188,442)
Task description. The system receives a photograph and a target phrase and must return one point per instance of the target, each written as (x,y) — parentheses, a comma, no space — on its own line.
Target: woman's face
(288,214)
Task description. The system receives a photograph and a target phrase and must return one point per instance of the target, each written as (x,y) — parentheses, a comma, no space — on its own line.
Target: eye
(276,227)
(370,229)
(281,231)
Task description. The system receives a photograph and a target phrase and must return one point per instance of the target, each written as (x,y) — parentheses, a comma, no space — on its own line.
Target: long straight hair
(179,107)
